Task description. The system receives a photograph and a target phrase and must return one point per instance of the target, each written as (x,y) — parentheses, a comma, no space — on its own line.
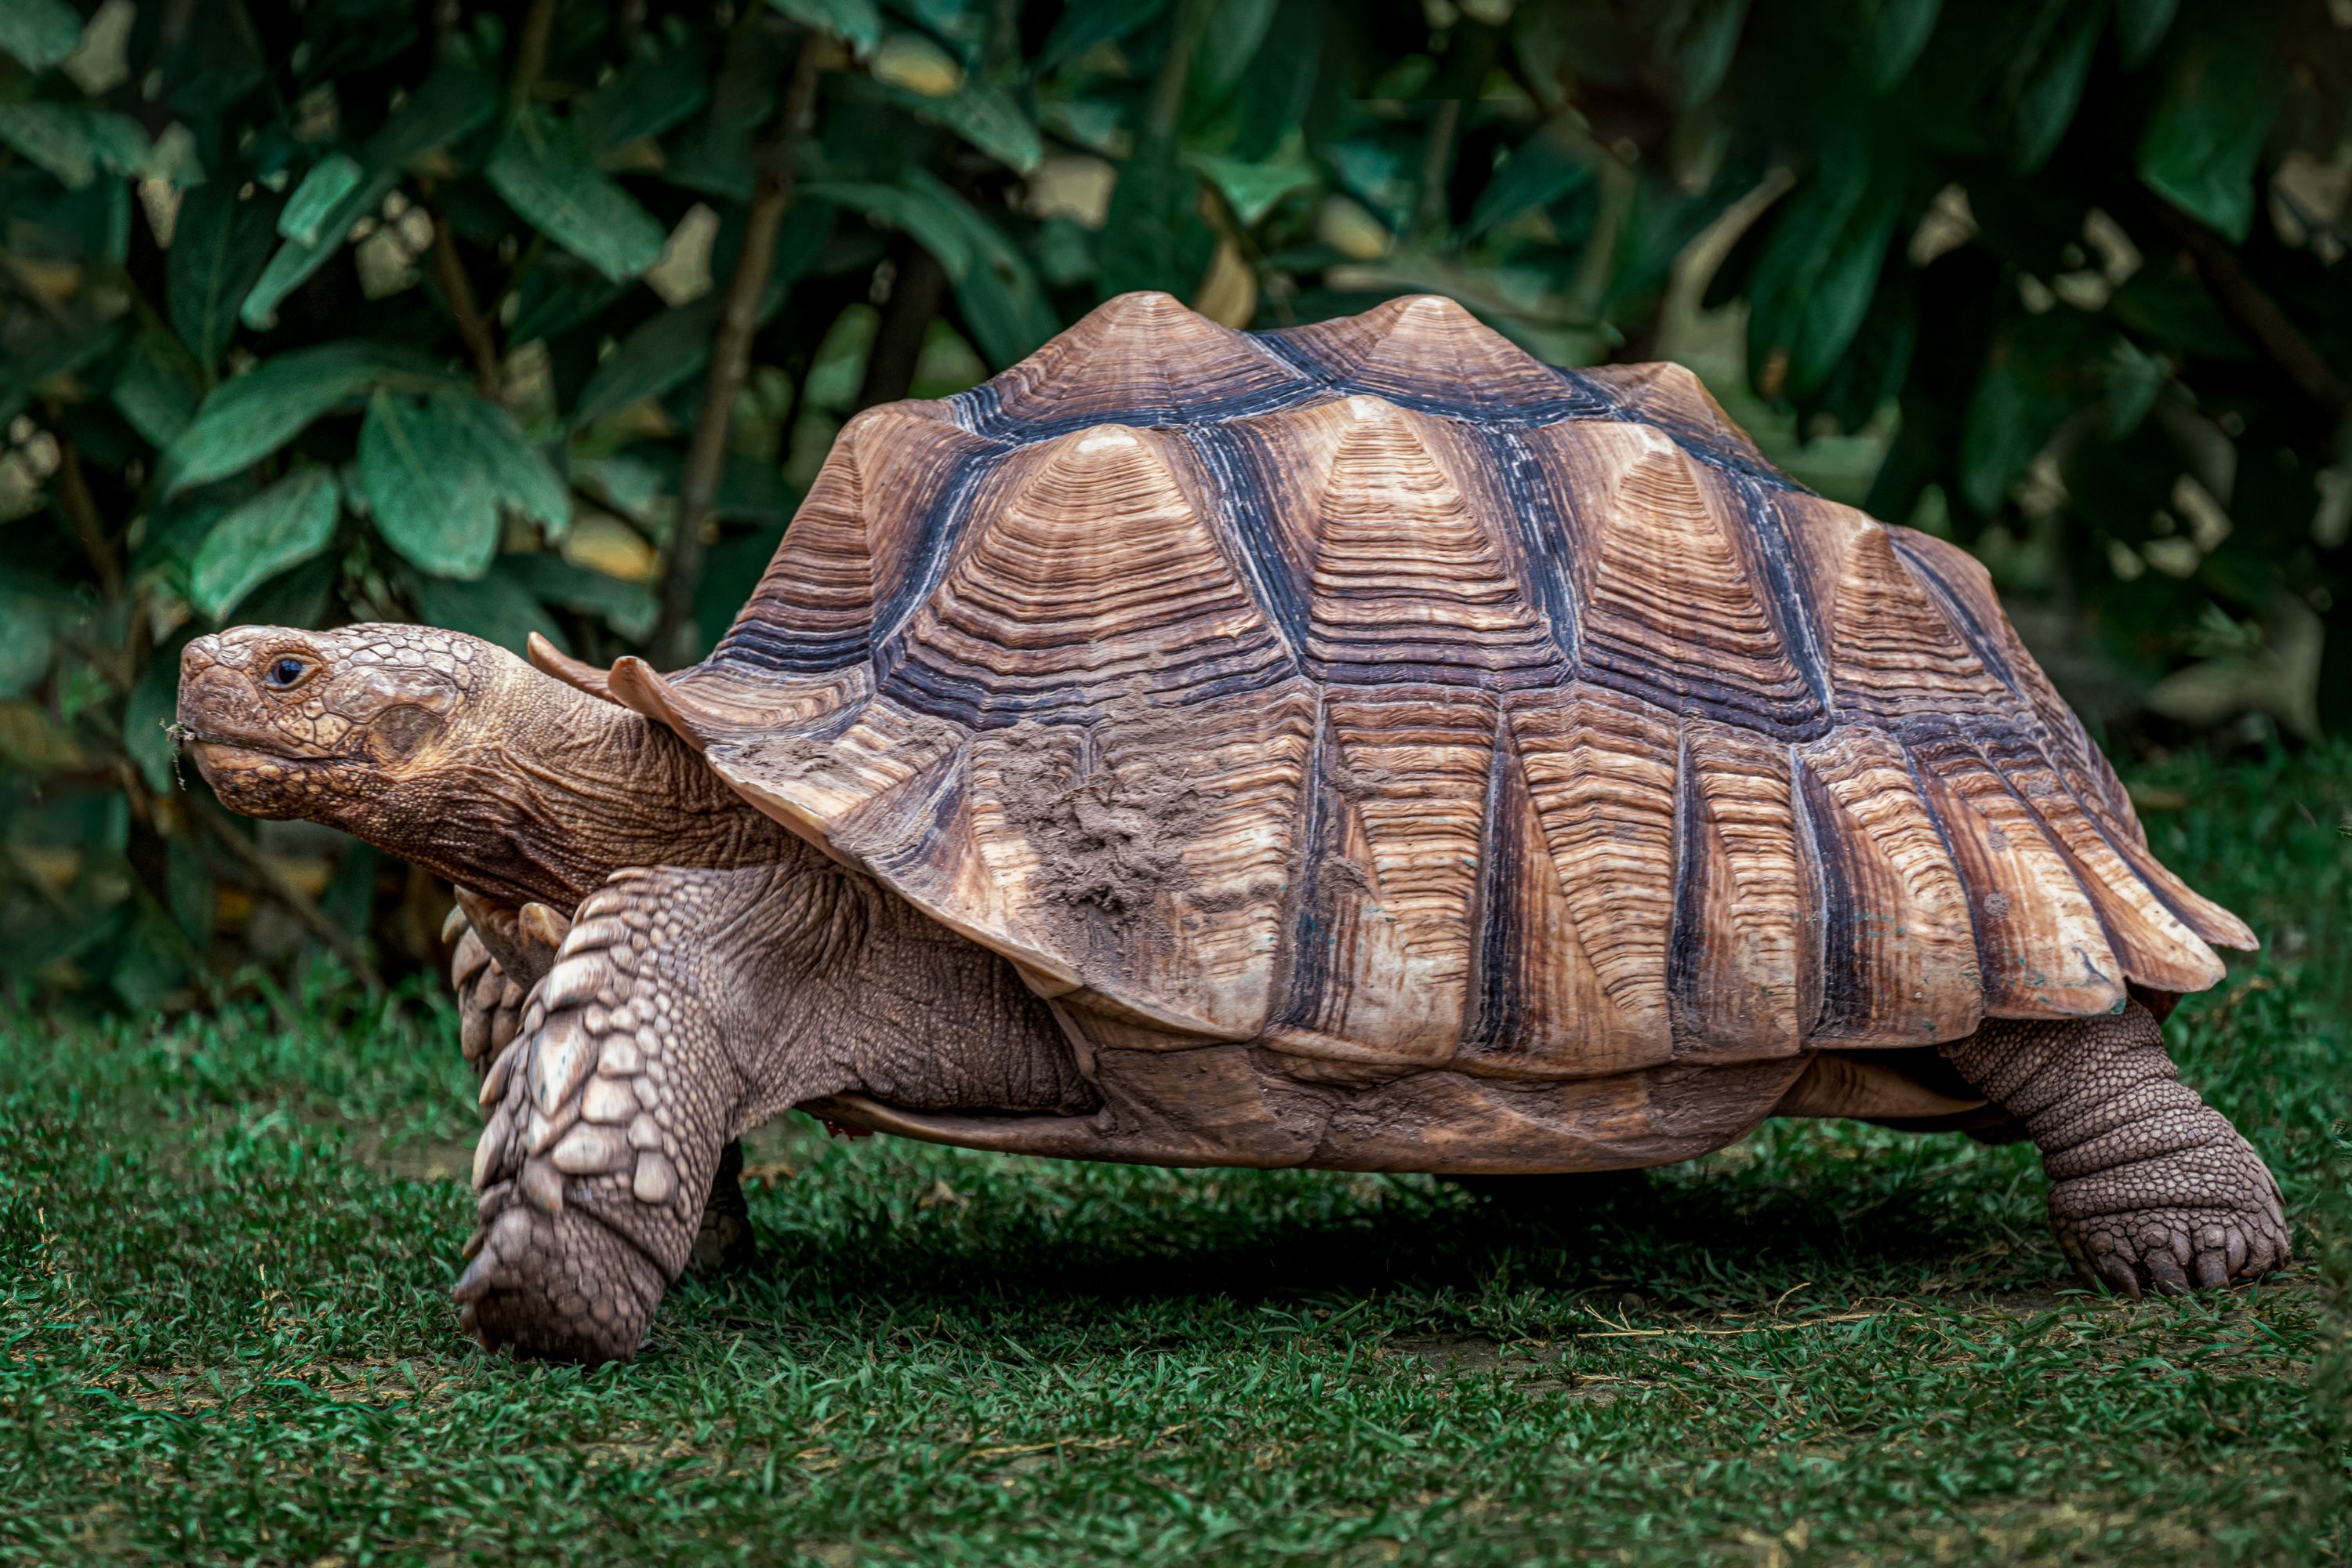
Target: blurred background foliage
(540,316)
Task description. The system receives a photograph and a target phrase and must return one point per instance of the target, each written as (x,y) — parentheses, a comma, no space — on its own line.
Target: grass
(225,1245)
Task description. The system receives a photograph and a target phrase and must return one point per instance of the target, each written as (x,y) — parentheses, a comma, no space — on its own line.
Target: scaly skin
(489,1014)
(685,1008)
(2152,1189)
(460,756)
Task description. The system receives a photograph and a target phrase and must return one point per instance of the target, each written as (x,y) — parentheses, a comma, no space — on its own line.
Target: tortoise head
(453,752)
(285,723)
(414,739)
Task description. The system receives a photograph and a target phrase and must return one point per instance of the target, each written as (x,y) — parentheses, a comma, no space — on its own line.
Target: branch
(1436,159)
(531,53)
(458,294)
(267,880)
(81,508)
(906,321)
(673,640)
(2234,289)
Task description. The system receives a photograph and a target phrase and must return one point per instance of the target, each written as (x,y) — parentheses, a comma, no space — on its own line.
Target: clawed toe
(2174,1254)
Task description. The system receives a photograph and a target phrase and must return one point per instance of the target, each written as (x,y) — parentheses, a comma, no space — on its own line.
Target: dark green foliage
(317,310)
(229,1243)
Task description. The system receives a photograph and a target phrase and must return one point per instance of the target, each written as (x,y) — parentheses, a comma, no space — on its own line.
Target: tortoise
(1357,746)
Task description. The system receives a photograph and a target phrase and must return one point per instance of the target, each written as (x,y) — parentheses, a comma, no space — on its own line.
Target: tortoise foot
(2151,1188)
(568,1287)
(2201,1219)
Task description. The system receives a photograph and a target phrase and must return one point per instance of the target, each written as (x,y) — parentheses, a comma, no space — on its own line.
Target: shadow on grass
(1850,1214)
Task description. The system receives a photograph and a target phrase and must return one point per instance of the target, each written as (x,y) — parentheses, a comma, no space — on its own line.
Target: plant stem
(2234,289)
(458,294)
(531,53)
(266,880)
(906,321)
(675,639)
(73,495)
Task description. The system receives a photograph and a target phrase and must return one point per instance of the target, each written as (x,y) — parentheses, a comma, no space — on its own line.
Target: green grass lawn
(229,1337)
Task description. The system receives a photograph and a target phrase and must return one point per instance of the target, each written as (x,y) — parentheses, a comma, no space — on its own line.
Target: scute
(1373,695)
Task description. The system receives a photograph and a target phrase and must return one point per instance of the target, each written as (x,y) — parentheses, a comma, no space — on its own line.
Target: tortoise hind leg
(613,1109)
(2152,1189)
(724,1242)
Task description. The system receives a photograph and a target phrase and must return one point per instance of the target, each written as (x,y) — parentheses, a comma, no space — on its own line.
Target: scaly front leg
(2152,1189)
(612,1108)
(490,1003)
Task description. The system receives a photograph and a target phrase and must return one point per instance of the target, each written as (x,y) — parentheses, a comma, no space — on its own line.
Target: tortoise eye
(285,673)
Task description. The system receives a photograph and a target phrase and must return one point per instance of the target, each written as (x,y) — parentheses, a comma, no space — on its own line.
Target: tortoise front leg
(490,1004)
(612,1110)
(2152,1189)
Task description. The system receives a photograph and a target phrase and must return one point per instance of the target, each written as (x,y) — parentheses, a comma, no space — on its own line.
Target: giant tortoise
(1357,746)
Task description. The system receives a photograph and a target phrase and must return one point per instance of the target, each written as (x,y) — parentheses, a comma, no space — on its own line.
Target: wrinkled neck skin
(557,792)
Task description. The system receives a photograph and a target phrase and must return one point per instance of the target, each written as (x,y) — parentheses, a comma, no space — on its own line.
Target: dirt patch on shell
(1107,808)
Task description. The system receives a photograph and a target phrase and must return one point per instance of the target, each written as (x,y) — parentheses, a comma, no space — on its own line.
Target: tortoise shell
(1370,691)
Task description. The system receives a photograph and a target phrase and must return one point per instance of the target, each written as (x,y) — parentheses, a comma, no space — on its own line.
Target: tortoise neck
(558,790)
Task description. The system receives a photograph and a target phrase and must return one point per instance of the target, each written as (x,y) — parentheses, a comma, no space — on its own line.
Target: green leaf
(73,143)
(494,607)
(557,296)
(662,351)
(1704,47)
(545,174)
(1152,237)
(1898,32)
(2133,379)
(2140,25)
(2034,377)
(40,33)
(999,296)
(629,608)
(1229,43)
(219,245)
(157,390)
(1086,24)
(1816,273)
(935,225)
(751,491)
(455,101)
(320,197)
(1380,172)
(297,259)
(1543,169)
(251,416)
(1253,189)
(148,713)
(2050,86)
(286,525)
(858,23)
(984,116)
(433,498)
(2206,132)
(150,964)
(656,90)
(188,884)
(24,641)
(520,474)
